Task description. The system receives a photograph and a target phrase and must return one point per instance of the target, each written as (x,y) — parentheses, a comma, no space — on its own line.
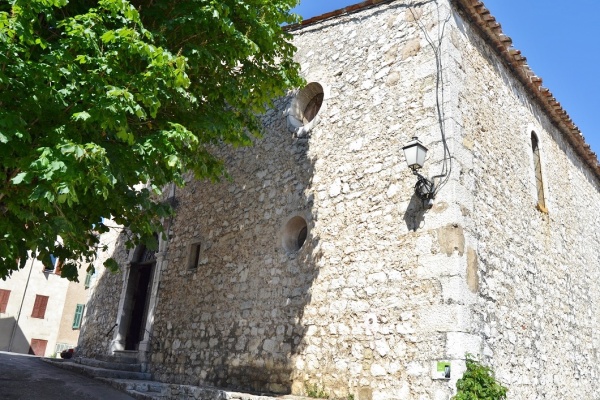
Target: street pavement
(24,377)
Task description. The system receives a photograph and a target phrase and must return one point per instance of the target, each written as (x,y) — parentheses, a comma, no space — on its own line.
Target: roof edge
(491,31)
(336,13)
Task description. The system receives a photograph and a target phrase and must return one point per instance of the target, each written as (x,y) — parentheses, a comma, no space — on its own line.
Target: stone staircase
(122,372)
(125,374)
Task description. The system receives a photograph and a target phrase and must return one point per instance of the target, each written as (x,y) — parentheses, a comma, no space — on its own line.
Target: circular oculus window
(295,234)
(305,107)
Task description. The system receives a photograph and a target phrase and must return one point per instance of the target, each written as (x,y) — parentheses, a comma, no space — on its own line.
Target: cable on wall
(436,46)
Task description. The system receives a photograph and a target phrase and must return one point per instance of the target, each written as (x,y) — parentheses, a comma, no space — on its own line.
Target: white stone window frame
(301,98)
(539,133)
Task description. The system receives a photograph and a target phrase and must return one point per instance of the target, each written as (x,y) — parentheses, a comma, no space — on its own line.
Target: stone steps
(142,390)
(139,386)
(114,364)
(169,391)
(79,365)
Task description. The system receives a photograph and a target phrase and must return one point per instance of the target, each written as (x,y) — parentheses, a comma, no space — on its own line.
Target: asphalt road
(24,377)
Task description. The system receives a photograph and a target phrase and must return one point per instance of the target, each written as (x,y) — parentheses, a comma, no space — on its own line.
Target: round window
(295,233)
(306,106)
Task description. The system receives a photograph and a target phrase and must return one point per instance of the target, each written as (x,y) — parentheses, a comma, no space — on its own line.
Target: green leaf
(19,178)
(112,265)
(172,160)
(108,36)
(81,116)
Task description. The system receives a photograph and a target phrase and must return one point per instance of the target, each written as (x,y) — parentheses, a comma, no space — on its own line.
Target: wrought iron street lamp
(415,153)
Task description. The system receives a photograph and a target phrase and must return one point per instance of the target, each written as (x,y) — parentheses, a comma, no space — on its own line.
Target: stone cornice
(491,31)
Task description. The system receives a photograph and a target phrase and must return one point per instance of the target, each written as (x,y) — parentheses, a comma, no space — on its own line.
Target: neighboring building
(40,312)
(318,264)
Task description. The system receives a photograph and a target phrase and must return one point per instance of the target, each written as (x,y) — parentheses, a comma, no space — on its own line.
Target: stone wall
(381,291)
(366,305)
(538,303)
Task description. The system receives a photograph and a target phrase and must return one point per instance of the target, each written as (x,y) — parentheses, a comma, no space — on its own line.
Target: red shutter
(38,347)
(39,307)
(4,295)
(58,267)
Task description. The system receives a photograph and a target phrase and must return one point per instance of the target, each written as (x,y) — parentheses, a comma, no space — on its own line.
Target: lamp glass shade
(415,153)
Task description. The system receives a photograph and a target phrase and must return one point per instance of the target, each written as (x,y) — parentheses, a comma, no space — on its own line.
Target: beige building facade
(318,265)
(40,312)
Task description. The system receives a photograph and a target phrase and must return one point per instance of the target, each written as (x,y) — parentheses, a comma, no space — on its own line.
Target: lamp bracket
(424,188)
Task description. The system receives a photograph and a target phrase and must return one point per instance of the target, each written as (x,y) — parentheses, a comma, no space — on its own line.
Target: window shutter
(88,279)
(4,295)
(39,307)
(58,267)
(78,316)
(38,347)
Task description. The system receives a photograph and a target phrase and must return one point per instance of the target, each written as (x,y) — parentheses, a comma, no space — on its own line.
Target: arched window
(537,165)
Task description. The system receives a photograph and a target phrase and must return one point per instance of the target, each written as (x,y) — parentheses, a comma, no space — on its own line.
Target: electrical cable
(444,176)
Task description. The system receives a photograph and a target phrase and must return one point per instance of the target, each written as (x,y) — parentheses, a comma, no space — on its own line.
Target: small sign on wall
(442,370)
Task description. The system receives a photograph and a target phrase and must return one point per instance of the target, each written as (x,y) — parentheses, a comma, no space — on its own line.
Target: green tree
(478,383)
(104,102)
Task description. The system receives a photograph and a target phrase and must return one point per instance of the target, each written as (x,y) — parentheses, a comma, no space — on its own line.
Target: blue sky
(560,40)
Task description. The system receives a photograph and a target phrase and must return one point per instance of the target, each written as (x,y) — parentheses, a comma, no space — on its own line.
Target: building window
(537,165)
(294,234)
(38,347)
(54,266)
(50,267)
(4,295)
(78,316)
(305,107)
(88,279)
(39,307)
(194,256)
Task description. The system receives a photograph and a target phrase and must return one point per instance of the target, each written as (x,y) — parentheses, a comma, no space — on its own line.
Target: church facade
(319,265)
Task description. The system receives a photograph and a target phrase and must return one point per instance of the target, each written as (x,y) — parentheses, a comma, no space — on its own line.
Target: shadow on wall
(14,341)
(238,270)
(414,217)
(231,314)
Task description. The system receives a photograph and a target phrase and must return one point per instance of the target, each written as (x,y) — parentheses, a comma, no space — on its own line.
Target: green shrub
(479,383)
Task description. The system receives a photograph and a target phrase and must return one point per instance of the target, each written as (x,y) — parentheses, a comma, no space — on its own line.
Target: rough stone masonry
(318,267)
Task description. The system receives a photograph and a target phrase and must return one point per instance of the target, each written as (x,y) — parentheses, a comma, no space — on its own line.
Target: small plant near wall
(315,391)
(479,383)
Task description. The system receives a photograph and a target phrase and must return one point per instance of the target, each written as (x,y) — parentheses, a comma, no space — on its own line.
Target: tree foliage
(104,102)
(478,383)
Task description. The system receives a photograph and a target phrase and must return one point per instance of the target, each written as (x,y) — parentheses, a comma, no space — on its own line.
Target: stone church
(327,262)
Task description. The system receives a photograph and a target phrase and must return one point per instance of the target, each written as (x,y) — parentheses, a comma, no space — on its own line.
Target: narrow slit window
(537,165)
(194,258)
